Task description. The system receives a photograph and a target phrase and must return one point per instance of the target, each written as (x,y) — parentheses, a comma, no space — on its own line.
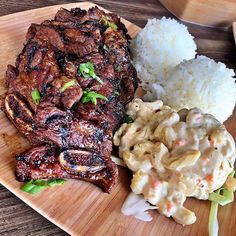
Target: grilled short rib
(70,137)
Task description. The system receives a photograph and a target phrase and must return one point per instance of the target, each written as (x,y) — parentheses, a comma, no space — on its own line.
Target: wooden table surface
(16,218)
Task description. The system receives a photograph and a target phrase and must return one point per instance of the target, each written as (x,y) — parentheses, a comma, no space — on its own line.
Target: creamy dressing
(174,155)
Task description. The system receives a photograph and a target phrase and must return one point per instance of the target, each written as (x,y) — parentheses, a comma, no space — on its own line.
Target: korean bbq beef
(67,94)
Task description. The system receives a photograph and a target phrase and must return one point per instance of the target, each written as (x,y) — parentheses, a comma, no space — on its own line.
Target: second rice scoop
(168,70)
(202,83)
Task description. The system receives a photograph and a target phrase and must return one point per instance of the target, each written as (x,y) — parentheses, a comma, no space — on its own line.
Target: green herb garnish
(36,96)
(87,70)
(91,96)
(118,69)
(36,186)
(68,85)
(221,197)
(224,199)
(129,119)
(213,225)
(108,23)
(116,93)
(54,182)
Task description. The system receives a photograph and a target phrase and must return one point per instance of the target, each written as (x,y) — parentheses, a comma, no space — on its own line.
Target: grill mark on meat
(63,130)
(97,135)
(70,139)
(31,54)
(19,114)
(53,117)
(61,62)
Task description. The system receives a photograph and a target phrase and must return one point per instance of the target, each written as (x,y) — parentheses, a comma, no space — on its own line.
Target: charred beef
(46,162)
(70,139)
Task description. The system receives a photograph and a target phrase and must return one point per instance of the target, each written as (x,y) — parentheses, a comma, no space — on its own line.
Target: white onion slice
(135,205)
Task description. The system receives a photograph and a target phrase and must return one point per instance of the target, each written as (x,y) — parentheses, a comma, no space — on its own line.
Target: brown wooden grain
(80,207)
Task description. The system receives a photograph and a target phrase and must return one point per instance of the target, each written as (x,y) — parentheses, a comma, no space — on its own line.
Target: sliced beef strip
(109,115)
(69,41)
(75,15)
(62,130)
(86,135)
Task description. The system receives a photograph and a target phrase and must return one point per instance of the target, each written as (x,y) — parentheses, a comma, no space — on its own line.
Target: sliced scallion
(223,199)
(213,225)
(36,186)
(36,96)
(54,182)
(36,189)
(87,70)
(27,186)
(91,96)
(217,198)
(116,93)
(108,23)
(67,85)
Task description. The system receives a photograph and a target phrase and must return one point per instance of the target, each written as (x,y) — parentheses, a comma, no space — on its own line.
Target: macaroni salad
(174,155)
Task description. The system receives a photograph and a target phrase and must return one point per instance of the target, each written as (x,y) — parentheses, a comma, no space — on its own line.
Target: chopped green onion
(97,78)
(40,182)
(118,68)
(223,200)
(216,198)
(116,93)
(36,96)
(36,189)
(228,195)
(87,70)
(91,96)
(129,119)
(27,186)
(67,85)
(54,182)
(213,225)
(108,23)
(36,186)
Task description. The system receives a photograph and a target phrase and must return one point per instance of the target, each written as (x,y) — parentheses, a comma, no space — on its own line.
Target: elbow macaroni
(174,155)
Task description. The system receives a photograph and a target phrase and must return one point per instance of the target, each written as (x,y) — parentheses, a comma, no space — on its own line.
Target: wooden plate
(77,207)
